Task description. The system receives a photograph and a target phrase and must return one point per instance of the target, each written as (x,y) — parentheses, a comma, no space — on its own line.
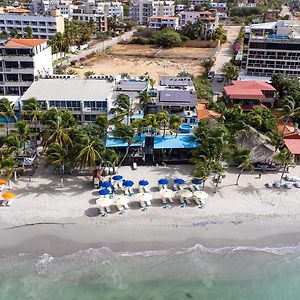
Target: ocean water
(194,273)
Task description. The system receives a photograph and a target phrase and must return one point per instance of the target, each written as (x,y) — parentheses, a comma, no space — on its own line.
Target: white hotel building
(22,61)
(141,10)
(85,98)
(42,27)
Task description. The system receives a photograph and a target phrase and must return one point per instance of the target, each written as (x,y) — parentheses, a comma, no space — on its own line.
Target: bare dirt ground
(139,59)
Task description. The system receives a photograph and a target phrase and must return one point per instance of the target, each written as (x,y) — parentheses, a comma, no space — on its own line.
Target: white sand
(245,212)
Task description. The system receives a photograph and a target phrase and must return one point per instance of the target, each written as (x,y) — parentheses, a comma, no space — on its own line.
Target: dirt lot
(139,59)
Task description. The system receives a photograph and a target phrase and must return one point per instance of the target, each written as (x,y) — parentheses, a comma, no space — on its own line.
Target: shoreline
(59,240)
(46,218)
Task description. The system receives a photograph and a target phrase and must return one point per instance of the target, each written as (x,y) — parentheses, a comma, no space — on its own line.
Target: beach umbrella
(128,183)
(121,200)
(104,192)
(197,181)
(2,181)
(185,193)
(143,182)
(8,195)
(106,184)
(104,202)
(144,197)
(117,177)
(167,193)
(179,181)
(163,181)
(201,195)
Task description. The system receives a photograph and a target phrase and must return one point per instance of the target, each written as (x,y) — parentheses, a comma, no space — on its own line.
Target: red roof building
(250,94)
(206,114)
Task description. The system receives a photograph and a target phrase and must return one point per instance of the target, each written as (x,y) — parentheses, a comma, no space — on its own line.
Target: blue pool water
(186,128)
(278,37)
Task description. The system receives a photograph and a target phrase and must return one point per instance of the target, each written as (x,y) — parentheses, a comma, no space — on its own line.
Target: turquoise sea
(195,273)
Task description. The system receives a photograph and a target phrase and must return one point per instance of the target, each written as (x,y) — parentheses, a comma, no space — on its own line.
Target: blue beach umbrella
(197,181)
(128,183)
(179,181)
(117,177)
(163,181)
(106,184)
(104,192)
(143,182)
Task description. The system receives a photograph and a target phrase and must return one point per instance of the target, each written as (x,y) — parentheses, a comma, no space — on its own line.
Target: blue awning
(172,142)
(112,142)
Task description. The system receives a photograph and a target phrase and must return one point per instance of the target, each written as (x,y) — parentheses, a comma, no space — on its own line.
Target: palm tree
(7,111)
(28,32)
(14,33)
(151,122)
(57,155)
(60,129)
(230,71)
(89,151)
(286,158)
(145,98)
(276,139)
(207,65)
(218,169)
(72,72)
(139,125)
(202,171)
(12,145)
(163,119)
(220,34)
(89,73)
(290,110)
(242,157)
(175,122)
(122,108)
(152,83)
(102,123)
(8,167)
(23,131)
(125,133)
(111,157)
(32,111)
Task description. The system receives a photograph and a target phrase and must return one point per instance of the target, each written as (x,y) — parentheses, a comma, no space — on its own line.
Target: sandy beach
(47,218)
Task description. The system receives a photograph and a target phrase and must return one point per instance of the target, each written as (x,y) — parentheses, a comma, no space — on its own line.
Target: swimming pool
(186,128)
(278,37)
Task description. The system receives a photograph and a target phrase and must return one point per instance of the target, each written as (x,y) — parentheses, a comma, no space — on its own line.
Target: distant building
(42,27)
(158,23)
(22,62)
(44,7)
(210,19)
(272,48)
(141,10)
(87,99)
(88,12)
(250,94)
(220,7)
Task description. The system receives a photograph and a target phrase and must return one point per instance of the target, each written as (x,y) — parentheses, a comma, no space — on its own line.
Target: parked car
(220,79)
(211,75)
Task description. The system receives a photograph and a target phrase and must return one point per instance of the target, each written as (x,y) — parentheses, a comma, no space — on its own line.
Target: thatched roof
(258,144)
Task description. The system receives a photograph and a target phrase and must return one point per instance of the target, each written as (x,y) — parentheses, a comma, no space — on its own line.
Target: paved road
(226,50)
(99,47)
(224,55)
